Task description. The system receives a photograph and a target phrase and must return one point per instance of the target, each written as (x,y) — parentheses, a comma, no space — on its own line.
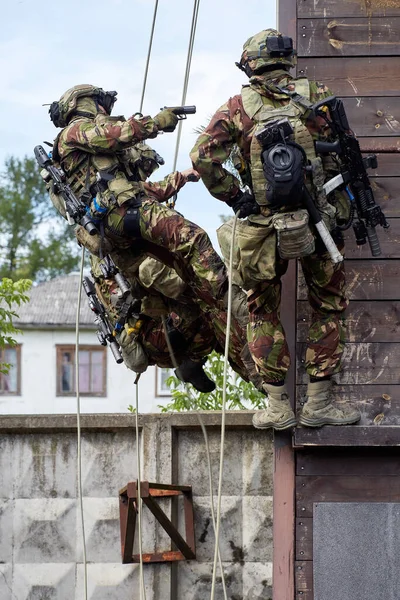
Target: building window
(10,383)
(161,377)
(92,371)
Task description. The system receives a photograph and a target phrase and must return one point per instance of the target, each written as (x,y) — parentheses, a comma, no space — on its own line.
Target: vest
(260,110)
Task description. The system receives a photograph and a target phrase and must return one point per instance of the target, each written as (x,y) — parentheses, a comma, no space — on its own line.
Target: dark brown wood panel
(366,280)
(379,144)
(344,489)
(366,321)
(347,8)
(342,462)
(304,580)
(348,37)
(356,76)
(304,539)
(389,240)
(386,191)
(388,165)
(363,364)
(379,404)
(347,436)
(374,116)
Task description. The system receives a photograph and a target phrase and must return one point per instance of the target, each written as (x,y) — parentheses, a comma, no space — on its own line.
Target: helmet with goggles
(70,103)
(266,51)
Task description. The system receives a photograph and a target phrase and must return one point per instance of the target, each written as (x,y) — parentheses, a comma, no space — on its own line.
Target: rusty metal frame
(186,548)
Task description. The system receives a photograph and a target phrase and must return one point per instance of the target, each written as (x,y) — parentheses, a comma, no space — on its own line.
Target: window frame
(17,347)
(160,393)
(60,348)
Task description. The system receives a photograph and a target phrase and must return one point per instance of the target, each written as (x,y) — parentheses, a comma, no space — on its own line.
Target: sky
(47,47)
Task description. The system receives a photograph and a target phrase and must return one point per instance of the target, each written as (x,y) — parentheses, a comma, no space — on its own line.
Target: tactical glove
(166,120)
(244,204)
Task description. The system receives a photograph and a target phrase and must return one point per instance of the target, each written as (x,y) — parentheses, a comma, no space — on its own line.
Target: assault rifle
(76,209)
(105,331)
(181,111)
(353,173)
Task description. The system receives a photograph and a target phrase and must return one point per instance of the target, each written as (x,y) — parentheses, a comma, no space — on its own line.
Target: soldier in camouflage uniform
(259,266)
(95,151)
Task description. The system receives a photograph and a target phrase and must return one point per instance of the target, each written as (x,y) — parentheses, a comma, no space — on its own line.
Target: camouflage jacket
(166,188)
(231,126)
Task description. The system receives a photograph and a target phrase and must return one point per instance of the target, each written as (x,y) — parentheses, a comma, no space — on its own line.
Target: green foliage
(11,294)
(240,394)
(34,242)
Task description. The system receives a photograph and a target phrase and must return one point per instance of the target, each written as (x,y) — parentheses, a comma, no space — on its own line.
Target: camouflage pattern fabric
(231,126)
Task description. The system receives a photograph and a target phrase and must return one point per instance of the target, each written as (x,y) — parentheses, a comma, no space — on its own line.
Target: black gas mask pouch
(284,164)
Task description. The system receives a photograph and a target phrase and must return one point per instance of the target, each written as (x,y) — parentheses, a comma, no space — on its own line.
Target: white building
(42,376)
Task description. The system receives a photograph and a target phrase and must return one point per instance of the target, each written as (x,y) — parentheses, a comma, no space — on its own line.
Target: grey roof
(53,303)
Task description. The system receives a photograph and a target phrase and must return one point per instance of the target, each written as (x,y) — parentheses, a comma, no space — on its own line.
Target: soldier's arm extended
(212,149)
(171,184)
(109,134)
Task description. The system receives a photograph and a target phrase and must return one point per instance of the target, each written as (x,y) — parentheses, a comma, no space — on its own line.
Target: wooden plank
(386,192)
(366,321)
(355,76)
(304,539)
(304,580)
(374,116)
(344,489)
(379,144)
(379,404)
(388,165)
(366,280)
(380,461)
(363,363)
(283,517)
(287,18)
(389,240)
(347,8)
(349,37)
(346,436)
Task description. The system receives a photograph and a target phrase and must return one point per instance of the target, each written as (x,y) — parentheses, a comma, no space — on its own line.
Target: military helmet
(266,50)
(61,110)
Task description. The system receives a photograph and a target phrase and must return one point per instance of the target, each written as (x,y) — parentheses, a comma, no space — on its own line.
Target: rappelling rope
(221,459)
(204,430)
(146,70)
(78,422)
(139,496)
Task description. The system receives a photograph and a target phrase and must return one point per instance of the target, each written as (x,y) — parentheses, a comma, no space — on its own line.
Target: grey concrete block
(257,581)
(8,469)
(6,530)
(108,463)
(257,456)
(193,462)
(6,581)
(356,550)
(257,528)
(46,466)
(42,581)
(44,531)
(195,580)
(112,582)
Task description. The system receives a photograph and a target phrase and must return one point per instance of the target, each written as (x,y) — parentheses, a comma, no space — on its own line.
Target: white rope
(139,497)
(196,6)
(78,419)
(146,70)
(205,435)
(221,459)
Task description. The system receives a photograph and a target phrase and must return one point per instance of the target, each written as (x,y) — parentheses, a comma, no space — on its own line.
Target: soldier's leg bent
(326,291)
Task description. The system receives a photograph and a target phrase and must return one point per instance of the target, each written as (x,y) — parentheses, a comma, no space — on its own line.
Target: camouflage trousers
(325,343)
(175,241)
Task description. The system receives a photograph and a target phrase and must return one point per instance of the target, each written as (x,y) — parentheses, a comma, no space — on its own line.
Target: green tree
(11,294)
(34,242)
(240,394)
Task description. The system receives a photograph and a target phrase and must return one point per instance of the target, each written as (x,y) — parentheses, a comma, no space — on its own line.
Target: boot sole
(320,422)
(285,425)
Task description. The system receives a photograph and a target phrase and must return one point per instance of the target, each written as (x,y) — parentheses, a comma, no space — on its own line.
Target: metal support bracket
(186,549)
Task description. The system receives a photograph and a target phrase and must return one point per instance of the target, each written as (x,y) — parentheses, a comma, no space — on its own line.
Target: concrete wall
(38,379)
(40,534)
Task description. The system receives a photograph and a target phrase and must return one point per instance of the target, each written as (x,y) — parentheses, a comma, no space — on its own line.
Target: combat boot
(192,372)
(319,410)
(279,413)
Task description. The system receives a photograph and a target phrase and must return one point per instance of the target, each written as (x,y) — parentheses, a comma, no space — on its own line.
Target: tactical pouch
(133,354)
(295,238)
